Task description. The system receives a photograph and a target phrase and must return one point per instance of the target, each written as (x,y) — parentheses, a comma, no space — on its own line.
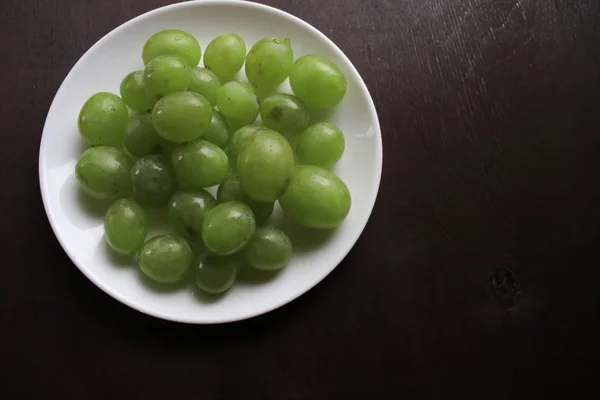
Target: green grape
(247,86)
(153,180)
(199,164)
(318,82)
(103,119)
(181,117)
(321,144)
(141,139)
(125,226)
(236,141)
(134,94)
(103,172)
(264,165)
(284,113)
(234,126)
(231,190)
(174,42)
(225,55)
(238,102)
(166,74)
(166,258)
(199,249)
(228,227)
(269,62)
(186,211)
(316,198)
(205,83)
(270,249)
(218,131)
(217,274)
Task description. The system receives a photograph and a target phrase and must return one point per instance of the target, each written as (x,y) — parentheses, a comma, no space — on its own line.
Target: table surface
(477,275)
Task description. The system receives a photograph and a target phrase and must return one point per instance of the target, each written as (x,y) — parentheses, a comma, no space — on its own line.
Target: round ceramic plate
(78,221)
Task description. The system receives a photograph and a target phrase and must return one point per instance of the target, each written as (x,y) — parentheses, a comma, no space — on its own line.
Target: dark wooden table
(477,276)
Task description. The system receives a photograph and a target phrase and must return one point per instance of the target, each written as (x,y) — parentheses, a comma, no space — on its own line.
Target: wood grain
(477,275)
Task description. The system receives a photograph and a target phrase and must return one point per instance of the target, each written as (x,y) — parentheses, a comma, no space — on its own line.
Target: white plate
(78,221)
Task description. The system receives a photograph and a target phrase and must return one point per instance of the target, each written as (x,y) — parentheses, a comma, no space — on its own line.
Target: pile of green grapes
(178,129)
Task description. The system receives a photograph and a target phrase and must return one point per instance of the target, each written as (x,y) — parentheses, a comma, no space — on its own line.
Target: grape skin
(225,55)
(103,172)
(231,190)
(134,93)
(166,74)
(200,164)
(182,117)
(125,227)
(218,131)
(322,144)
(319,82)
(238,102)
(269,62)
(141,138)
(264,165)
(270,249)
(165,258)
(153,180)
(103,119)
(316,198)
(284,113)
(216,274)
(175,42)
(206,83)
(228,227)
(187,210)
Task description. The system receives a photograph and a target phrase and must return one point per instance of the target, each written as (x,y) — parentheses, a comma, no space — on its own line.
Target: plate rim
(280,302)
